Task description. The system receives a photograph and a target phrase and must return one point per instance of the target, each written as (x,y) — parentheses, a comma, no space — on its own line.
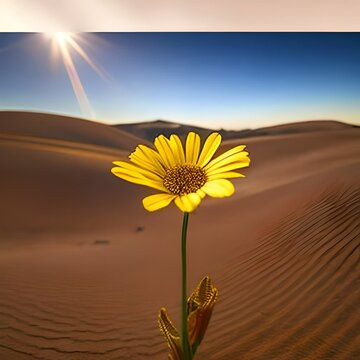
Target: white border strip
(179,15)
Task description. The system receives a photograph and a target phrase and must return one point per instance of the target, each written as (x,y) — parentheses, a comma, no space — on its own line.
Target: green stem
(184,334)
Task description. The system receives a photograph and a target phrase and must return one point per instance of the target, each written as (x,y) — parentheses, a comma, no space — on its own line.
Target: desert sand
(84,269)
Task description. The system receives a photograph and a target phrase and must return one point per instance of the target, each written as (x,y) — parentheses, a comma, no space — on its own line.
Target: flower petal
(137,178)
(201,193)
(226,157)
(188,203)
(158,201)
(139,170)
(211,145)
(163,147)
(177,149)
(147,158)
(192,148)
(225,175)
(135,159)
(218,188)
(234,166)
(147,153)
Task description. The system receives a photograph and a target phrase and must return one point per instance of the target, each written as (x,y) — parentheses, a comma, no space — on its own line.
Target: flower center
(184,179)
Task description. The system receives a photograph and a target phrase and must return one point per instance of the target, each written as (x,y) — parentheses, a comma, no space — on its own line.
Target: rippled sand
(84,269)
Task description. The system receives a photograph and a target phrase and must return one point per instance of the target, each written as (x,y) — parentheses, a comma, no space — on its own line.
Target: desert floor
(84,269)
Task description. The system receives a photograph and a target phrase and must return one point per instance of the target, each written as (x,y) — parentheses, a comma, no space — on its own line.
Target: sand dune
(149,130)
(84,268)
(57,127)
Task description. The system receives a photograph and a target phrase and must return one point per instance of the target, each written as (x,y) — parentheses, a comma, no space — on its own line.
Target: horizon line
(174,122)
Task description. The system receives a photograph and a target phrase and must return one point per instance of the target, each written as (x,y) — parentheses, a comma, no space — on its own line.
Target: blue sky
(228,80)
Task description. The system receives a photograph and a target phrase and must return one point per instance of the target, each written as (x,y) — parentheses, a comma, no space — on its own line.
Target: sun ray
(86,57)
(74,78)
(61,41)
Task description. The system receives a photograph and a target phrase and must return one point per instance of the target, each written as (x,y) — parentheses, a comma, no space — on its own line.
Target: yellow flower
(200,306)
(183,176)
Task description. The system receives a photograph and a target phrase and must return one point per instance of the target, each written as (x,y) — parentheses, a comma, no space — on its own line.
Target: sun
(61,36)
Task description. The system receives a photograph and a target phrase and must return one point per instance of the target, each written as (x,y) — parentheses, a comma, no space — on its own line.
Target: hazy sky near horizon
(228,80)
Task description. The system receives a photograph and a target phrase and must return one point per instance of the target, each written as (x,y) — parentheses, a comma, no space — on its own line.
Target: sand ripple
(294,296)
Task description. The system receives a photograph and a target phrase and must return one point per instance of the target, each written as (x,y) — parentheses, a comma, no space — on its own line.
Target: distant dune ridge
(149,130)
(58,127)
(84,269)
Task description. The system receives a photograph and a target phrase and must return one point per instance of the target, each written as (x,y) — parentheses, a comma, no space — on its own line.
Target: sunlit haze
(227,80)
